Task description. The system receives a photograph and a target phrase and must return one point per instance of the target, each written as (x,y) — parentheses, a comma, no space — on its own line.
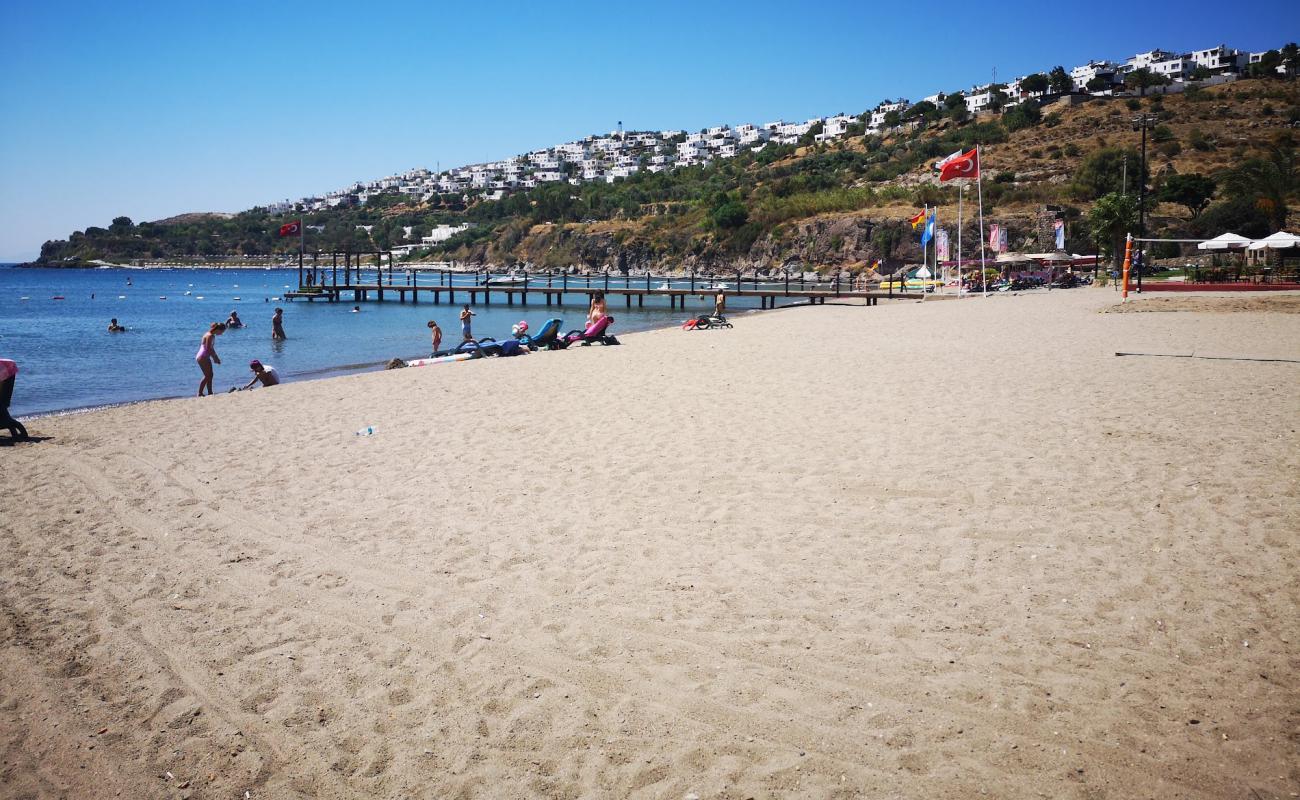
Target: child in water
(436,332)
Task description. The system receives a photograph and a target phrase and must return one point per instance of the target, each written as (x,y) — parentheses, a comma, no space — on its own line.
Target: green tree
(1099,84)
(954,100)
(1200,73)
(892,119)
(1103,172)
(1060,80)
(997,97)
(1267,65)
(730,215)
(120,223)
(1240,215)
(1035,84)
(922,109)
(1268,181)
(1142,79)
(1192,191)
(1291,58)
(1112,217)
(1024,115)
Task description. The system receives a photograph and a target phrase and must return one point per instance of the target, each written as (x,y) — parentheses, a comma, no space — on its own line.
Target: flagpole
(979,188)
(961,192)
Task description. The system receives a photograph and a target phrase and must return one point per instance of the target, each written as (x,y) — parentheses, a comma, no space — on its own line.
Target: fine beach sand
(939,549)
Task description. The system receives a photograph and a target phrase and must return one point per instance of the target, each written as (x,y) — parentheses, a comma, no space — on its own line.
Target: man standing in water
(277,325)
(465,316)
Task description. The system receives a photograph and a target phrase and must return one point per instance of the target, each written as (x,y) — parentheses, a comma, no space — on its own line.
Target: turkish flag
(291,228)
(967,166)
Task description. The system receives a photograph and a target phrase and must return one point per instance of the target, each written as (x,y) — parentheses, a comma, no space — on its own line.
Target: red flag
(967,166)
(291,228)
(918,220)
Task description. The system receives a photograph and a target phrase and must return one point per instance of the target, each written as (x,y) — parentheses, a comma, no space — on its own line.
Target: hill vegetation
(1220,158)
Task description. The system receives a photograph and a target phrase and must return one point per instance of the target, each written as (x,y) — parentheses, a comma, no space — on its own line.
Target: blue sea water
(68,360)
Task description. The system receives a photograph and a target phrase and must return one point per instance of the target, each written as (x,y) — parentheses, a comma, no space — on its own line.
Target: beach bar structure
(359,277)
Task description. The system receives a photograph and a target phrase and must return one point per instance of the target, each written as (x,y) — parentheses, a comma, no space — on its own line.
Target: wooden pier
(352,282)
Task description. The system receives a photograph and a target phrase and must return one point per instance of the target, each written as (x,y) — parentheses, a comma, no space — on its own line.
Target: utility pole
(1142,122)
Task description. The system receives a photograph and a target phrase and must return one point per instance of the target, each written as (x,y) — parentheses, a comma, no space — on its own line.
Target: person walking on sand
(8,372)
(436,333)
(207,354)
(597,311)
(465,317)
(719,304)
(277,325)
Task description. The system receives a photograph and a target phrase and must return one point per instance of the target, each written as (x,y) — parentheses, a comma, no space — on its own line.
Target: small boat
(505,280)
(664,286)
(717,287)
(58,297)
(121,297)
(162,297)
(198,297)
(238,298)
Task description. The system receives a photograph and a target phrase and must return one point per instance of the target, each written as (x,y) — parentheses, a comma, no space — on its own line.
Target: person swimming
(113,327)
(233,321)
(207,354)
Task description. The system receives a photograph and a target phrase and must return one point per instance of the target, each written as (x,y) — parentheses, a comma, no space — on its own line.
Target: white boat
(505,280)
(664,286)
(717,287)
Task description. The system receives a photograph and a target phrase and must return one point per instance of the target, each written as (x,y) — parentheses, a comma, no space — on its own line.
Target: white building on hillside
(1220,59)
(1175,68)
(1083,75)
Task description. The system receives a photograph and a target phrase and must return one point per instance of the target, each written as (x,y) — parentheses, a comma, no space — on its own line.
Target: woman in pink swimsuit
(207,354)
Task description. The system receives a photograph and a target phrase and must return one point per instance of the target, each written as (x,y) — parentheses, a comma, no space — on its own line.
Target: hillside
(835,205)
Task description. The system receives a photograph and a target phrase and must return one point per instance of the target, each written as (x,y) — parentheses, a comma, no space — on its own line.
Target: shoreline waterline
(53,323)
(320,373)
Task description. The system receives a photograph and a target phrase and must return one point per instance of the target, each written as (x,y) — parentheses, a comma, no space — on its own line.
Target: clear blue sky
(154,109)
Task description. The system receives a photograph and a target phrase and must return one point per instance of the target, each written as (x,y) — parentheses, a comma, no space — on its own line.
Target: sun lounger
(546,337)
(595,332)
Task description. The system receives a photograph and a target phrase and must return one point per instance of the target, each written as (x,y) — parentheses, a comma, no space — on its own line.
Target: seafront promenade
(940,553)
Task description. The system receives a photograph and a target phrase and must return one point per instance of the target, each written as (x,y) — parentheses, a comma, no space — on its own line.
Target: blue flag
(928,233)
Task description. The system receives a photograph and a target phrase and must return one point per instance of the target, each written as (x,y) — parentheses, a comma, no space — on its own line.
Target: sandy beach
(935,549)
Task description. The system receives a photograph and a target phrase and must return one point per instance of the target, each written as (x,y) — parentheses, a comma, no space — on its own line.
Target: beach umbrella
(1226,241)
(1278,241)
(1013,258)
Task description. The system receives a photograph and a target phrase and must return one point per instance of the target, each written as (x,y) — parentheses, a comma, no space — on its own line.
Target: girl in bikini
(207,354)
(598,310)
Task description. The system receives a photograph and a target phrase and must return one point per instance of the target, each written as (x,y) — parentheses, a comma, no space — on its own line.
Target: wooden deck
(556,294)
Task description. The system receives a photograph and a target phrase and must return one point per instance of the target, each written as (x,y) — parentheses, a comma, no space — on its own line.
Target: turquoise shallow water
(68,360)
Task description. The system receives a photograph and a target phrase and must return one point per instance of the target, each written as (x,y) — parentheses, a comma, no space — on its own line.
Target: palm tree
(1111,217)
(1269,181)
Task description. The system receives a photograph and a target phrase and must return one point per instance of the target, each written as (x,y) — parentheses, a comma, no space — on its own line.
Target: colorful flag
(291,228)
(942,244)
(1002,240)
(1060,233)
(928,233)
(995,237)
(967,165)
(918,220)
